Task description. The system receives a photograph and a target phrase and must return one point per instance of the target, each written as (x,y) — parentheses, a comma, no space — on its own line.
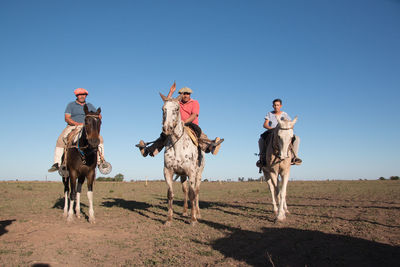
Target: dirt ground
(332,223)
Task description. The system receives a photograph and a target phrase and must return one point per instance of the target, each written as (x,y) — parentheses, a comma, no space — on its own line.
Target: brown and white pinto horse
(81,163)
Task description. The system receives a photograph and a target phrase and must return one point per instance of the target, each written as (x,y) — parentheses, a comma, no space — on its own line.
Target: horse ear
(85,109)
(163,97)
(278,119)
(179,98)
(98,110)
(294,120)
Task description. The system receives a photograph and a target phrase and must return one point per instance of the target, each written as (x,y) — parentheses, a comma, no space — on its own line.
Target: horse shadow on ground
(295,247)
(141,208)
(345,219)
(4,224)
(239,210)
(59,204)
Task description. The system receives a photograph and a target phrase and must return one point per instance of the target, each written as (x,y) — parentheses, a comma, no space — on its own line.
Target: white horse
(181,157)
(278,162)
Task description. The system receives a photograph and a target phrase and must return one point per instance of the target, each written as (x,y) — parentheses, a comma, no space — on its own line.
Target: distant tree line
(261,178)
(117,178)
(391,178)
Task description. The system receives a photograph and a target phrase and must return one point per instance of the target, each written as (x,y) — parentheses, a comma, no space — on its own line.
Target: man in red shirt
(189,109)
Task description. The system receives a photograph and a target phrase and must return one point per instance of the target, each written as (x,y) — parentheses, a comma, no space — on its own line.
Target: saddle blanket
(73,136)
(192,135)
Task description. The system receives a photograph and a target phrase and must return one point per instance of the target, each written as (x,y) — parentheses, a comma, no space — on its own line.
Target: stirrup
(216,145)
(104,167)
(218,142)
(63,171)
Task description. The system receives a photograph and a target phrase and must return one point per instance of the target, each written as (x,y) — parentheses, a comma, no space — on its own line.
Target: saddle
(73,137)
(71,140)
(194,131)
(192,135)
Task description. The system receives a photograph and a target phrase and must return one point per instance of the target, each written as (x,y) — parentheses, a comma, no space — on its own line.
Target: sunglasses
(185,93)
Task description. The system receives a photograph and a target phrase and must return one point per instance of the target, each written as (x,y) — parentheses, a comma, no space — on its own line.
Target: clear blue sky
(335,64)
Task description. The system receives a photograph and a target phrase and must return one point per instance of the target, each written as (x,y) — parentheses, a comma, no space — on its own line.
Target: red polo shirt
(188,108)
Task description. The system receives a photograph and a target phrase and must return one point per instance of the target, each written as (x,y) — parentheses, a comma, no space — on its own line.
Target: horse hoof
(168,223)
(92,220)
(198,216)
(280,219)
(78,216)
(193,223)
(185,214)
(65,214)
(70,219)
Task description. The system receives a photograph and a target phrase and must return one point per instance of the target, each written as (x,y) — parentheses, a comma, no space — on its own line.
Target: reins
(83,135)
(275,149)
(183,132)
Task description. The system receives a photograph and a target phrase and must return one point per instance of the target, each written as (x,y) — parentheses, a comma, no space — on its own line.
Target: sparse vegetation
(237,228)
(117,178)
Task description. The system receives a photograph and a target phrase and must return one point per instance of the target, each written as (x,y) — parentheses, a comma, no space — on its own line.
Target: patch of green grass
(6,251)
(205,252)
(29,188)
(118,244)
(150,262)
(26,253)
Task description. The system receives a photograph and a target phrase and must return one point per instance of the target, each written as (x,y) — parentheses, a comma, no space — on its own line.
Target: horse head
(171,114)
(92,126)
(285,135)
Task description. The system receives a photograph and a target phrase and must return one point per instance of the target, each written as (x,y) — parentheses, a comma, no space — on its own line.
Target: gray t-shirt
(76,111)
(272,121)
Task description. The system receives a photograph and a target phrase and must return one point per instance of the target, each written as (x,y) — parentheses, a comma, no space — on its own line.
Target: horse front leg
(72,197)
(192,198)
(168,175)
(273,188)
(66,191)
(197,189)
(78,197)
(282,203)
(91,177)
(185,194)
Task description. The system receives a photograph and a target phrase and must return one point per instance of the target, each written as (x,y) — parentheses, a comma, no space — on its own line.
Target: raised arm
(171,90)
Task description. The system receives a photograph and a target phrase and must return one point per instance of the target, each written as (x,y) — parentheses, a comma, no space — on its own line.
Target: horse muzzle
(94,142)
(167,129)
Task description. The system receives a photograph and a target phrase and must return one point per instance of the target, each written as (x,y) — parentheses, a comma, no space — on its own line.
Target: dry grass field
(332,223)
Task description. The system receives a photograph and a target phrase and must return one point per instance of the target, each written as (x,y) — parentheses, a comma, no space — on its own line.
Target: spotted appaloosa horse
(278,162)
(181,157)
(81,164)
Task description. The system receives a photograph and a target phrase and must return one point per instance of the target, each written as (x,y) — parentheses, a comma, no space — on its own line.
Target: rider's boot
(58,153)
(143,149)
(216,145)
(296,161)
(54,168)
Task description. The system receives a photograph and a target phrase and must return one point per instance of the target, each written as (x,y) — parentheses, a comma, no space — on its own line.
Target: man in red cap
(189,109)
(74,117)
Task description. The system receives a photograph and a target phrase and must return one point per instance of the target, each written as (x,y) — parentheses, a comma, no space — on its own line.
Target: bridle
(174,126)
(79,148)
(275,147)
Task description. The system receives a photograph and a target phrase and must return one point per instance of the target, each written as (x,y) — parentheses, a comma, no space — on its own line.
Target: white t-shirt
(272,121)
